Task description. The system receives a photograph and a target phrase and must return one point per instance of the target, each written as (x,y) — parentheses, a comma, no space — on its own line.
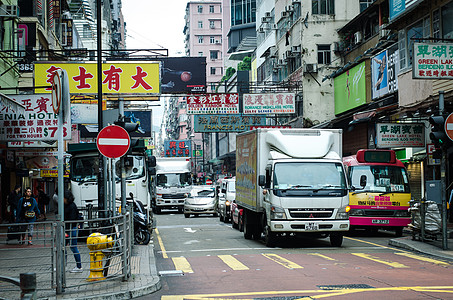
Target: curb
(422,248)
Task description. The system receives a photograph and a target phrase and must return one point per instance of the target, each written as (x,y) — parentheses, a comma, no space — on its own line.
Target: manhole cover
(345,286)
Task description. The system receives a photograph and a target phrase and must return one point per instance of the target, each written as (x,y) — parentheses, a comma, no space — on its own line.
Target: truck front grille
(311,213)
(173,196)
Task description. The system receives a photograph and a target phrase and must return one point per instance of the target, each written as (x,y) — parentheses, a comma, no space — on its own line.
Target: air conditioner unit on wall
(274,26)
(268,15)
(9,11)
(264,20)
(336,47)
(357,37)
(281,62)
(310,68)
(284,14)
(295,49)
(383,32)
(273,52)
(288,54)
(261,30)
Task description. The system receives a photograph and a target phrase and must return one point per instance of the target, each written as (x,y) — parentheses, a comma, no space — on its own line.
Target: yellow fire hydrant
(97,242)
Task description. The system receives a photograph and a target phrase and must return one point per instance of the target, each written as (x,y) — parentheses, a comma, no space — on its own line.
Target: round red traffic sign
(208,181)
(449,126)
(113,141)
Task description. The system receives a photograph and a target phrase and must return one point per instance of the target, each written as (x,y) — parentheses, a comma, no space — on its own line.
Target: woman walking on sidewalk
(71,214)
(27,210)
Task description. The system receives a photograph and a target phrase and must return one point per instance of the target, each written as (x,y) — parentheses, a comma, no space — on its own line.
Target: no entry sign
(449,126)
(113,141)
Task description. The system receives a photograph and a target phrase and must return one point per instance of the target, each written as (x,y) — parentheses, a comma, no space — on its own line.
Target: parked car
(236,216)
(227,194)
(201,200)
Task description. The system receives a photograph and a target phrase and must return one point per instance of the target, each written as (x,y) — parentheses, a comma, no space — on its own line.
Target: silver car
(201,200)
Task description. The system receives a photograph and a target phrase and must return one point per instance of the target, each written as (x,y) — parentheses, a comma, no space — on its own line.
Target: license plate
(312,226)
(380,221)
(198,208)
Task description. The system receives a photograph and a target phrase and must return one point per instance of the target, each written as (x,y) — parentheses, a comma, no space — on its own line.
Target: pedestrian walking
(71,216)
(53,205)
(27,211)
(43,201)
(13,200)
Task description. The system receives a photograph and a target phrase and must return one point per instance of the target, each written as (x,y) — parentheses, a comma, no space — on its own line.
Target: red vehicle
(236,217)
(380,192)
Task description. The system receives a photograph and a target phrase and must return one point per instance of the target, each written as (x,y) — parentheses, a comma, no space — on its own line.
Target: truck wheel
(241,224)
(269,237)
(157,210)
(248,234)
(221,217)
(399,231)
(187,215)
(180,210)
(234,225)
(336,239)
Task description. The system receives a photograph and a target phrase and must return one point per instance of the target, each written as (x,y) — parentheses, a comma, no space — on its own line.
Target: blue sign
(227,123)
(177,148)
(396,8)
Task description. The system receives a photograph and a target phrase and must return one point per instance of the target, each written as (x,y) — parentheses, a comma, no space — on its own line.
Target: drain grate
(345,286)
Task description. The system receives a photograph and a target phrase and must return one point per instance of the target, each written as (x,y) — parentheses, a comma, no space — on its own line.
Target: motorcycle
(142,228)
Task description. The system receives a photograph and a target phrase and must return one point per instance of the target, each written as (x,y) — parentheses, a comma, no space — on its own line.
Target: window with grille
(324,54)
(323,7)
(200,9)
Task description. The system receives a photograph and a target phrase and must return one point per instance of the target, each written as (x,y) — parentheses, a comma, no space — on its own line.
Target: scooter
(142,230)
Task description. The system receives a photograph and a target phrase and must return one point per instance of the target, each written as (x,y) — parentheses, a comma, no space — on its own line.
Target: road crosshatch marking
(282,261)
(321,255)
(422,258)
(233,263)
(182,264)
(376,259)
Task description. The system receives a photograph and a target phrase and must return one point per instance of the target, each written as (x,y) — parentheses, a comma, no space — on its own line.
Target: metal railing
(48,248)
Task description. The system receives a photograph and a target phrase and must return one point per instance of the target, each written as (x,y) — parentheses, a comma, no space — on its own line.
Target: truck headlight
(356,212)
(342,214)
(402,213)
(227,203)
(277,213)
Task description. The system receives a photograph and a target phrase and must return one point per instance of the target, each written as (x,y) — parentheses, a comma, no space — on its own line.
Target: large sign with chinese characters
(350,89)
(37,123)
(227,123)
(275,103)
(211,104)
(384,72)
(389,135)
(127,78)
(432,61)
(179,148)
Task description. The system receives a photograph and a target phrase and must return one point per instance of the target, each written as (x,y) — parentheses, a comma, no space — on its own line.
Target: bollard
(97,242)
(27,286)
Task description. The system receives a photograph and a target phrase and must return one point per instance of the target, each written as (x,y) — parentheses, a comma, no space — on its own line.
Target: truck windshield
(173,179)
(298,178)
(87,168)
(380,179)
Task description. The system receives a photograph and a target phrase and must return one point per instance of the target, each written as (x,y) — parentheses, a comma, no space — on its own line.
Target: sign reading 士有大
(432,61)
(227,123)
(275,103)
(117,77)
(37,123)
(390,135)
(210,104)
(178,148)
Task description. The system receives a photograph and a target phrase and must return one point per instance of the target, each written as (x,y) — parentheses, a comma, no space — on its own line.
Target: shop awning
(8,105)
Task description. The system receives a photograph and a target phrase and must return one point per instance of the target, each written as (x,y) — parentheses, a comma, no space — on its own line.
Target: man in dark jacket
(13,200)
(43,201)
(71,218)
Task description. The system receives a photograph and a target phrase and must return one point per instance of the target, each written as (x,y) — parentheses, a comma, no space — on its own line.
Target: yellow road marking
(377,245)
(282,261)
(161,244)
(389,263)
(233,263)
(321,255)
(182,264)
(321,293)
(414,256)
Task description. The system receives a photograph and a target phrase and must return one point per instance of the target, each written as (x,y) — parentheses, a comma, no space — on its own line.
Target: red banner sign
(213,104)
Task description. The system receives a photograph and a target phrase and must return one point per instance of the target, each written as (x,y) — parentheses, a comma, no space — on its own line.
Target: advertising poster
(183,75)
(37,123)
(384,72)
(246,165)
(128,78)
(177,148)
(393,135)
(350,89)
(211,104)
(276,103)
(397,7)
(227,123)
(432,61)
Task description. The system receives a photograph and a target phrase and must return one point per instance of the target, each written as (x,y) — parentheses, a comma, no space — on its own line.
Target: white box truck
(172,183)
(292,182)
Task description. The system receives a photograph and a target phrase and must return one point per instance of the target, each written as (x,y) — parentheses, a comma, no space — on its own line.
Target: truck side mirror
(261,180)
(152,161)
(363,181)
(152,171)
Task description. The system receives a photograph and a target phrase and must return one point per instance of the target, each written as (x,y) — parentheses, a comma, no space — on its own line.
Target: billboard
(177,148)
(227,123)
(432,61)
(37,123)
(384,72)
(389,135)
(183,75)
(350,89)
(276,103)
(117,77)
(210,104)
(397,7)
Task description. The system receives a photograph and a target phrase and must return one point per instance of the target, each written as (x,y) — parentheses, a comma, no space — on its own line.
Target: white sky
(154,24)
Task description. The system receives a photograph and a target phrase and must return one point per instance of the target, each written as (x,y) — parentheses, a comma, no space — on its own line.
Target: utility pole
(442,180)
(101,186)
